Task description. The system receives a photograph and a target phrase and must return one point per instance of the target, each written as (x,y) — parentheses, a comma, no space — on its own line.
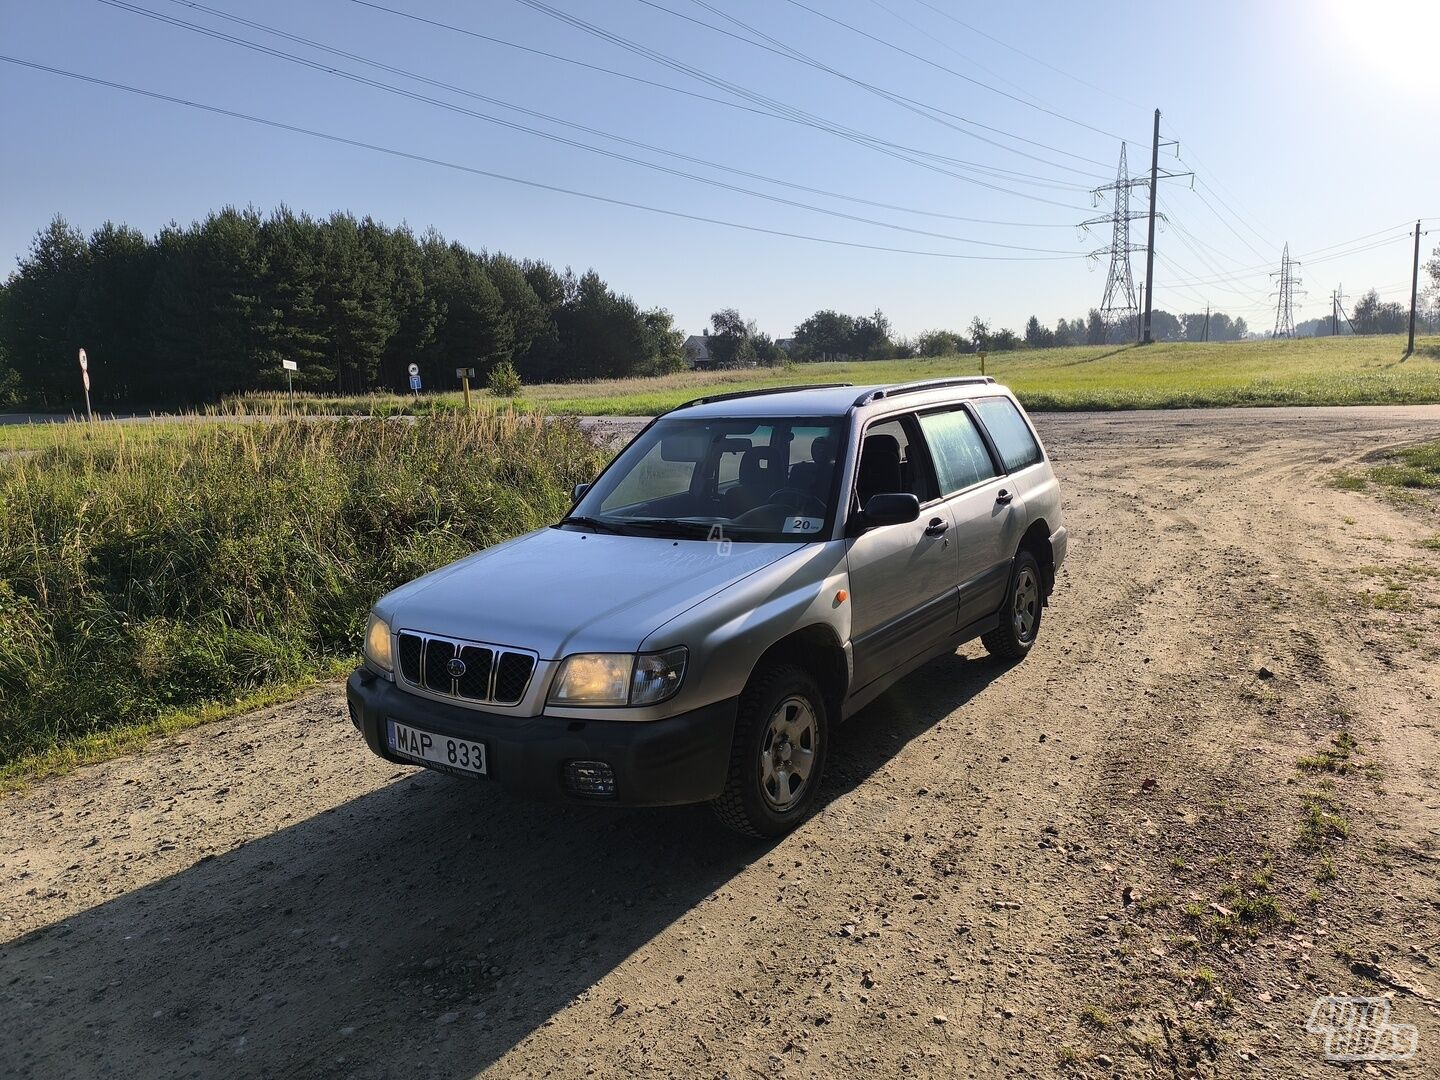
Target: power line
(1244,220)
(1028,56)
(933,39)
(400,91)
(958,74)
(929,111)
(472,170)
(798,115)
(730,104)
(1316,256)
(321,46)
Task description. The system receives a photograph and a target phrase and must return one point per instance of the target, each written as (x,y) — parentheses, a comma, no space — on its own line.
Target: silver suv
(750,570)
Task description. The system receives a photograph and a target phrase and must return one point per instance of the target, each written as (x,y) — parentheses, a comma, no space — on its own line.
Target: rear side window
(1018,448)
(957,449)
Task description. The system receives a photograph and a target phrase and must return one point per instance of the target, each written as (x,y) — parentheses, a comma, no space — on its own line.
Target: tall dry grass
(207,560)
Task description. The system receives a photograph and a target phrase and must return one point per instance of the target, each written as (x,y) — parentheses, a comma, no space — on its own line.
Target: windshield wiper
(700,529)
(594,524)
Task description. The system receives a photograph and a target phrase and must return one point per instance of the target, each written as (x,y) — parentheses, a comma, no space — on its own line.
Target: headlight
(594,679)
(618,678)
(657,676)
(377,643)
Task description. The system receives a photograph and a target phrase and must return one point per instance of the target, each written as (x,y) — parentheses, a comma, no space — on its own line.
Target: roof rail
(916,387)
(708,398)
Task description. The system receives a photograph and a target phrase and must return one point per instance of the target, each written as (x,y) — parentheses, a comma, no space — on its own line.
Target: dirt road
(1102,862)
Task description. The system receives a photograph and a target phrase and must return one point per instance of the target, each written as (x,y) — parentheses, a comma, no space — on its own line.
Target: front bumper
(682,759)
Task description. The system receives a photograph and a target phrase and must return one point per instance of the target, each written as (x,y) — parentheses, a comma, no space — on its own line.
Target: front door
(902,577)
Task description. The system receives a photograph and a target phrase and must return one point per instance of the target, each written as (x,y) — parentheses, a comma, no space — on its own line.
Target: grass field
(147,583)
(1305,371)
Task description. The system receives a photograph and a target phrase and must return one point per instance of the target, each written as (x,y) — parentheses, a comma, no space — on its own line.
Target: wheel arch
(1036,540)
(817,649)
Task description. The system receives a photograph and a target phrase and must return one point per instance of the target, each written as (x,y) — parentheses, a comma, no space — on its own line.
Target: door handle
(936,527)
(1004,497)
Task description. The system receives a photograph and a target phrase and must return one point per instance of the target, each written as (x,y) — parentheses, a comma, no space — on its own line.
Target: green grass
(1334,758)
(1416,467)
(1305,371)
(146,582)
(1322,824)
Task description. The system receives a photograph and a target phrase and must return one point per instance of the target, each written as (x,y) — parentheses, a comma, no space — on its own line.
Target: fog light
(593,778)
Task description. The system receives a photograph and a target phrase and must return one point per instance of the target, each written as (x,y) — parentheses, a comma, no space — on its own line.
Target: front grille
(412,647)
(491,673)
(512,675)
(475,683)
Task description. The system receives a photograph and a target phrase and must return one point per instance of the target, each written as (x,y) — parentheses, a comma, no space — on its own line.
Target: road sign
(85,378)
(414,370)
(289,365)
(84,361)
(464,372)
(415,383)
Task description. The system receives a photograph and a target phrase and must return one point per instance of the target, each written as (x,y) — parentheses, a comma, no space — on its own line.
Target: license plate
(444,751)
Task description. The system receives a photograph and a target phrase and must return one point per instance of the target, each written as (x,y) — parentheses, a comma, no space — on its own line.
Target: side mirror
(579,492)
(894,509)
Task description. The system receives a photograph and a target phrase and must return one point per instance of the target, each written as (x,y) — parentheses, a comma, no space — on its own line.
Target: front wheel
(1020,613)
(778,756)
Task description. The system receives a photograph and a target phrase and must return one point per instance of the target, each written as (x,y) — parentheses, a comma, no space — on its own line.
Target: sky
(1304,123)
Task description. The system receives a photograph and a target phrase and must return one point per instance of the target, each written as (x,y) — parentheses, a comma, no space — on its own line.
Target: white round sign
(414,369)
(84,361)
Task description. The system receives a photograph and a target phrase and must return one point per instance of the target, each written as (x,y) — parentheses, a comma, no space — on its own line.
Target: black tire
(1020,612)
(752,802)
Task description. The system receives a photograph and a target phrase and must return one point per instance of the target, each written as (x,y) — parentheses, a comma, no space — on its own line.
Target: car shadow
(442,921)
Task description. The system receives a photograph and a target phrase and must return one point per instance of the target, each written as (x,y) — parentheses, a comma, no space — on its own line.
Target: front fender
(729,632)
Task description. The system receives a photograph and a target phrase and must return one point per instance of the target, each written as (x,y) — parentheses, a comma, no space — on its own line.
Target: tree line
(733,341)
(200,311)
(1372,315)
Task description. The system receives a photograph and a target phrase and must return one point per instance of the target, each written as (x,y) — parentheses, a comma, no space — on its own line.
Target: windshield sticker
(803,525)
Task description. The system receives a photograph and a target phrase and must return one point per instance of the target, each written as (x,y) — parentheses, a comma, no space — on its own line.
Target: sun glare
(1394,39)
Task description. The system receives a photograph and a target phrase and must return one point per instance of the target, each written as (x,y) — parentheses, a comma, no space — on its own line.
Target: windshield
(759,479)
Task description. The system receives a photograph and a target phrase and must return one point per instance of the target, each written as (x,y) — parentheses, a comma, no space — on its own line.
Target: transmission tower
(1285,296)
(1119,306)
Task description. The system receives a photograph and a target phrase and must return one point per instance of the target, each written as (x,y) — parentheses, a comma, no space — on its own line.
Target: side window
(1018,448)
(891,461)
(957,449)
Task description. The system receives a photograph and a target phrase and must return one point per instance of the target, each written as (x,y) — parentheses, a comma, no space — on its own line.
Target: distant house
(697,353)
(785,344)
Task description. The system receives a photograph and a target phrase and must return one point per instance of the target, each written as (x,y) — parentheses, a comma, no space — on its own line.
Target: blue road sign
(414,382)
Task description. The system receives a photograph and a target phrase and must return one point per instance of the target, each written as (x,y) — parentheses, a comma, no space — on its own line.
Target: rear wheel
(778,755)
(1020,613)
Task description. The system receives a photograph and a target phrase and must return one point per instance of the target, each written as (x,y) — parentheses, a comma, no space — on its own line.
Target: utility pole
(1205,335)
(1146,338)
(1119,306)
(1414,290)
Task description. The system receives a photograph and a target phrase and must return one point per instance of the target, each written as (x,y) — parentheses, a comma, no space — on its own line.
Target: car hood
(561,591)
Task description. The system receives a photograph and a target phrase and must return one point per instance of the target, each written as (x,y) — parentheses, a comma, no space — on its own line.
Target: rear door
(986,511)
(902,577)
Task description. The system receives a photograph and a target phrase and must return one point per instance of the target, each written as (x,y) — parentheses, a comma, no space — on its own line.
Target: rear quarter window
(1011,434)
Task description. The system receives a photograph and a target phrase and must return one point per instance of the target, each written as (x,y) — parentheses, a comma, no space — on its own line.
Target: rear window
(959,453)
(1018,448)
